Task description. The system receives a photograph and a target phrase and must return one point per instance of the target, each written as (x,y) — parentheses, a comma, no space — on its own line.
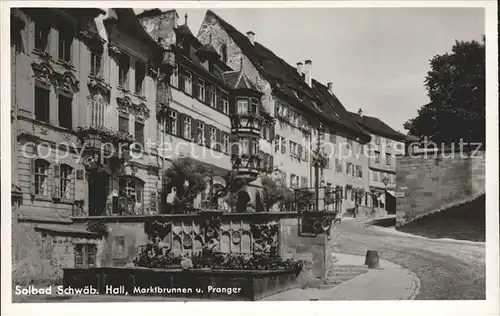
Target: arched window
(99,109)
(223,53)
(66,178)
(41,177)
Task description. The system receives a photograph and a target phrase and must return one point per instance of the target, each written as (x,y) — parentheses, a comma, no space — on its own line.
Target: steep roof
(128,21)
(376,126)
(239,80)
(287,83)
(190,55)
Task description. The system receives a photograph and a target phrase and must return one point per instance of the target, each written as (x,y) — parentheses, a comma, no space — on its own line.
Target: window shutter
(180,125)
(218,103)
(32,184)
(56,181)
(208,93)
(79,184)
(207,135)
(218,137)
(181,81)
(194,129)
(231,106)
(272,134)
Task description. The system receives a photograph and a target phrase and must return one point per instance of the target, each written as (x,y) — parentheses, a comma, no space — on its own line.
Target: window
(399,146)
(242,106)
(225,104)
(359,171)
(65,178)
(132,189)
(266,132)
(65,43)
(213,98)
(85,255)
(377,140)
(226,143)
(41,177)
(303,182)
(292,180)
(388,159)
(41,37)
(213,137)
(283,145)
(338,165)
(139,132)
(188,83)
(65,113)
(277,143)
(388,142)
(119,246)
(244,146)
(200,90)
(255,147)
(377,157)
(172,122)
(98,109)
(223,53)
(95,64)
(375,175)
(174,78)
(255,106)
(333,138)
(140,74)
(123,123)
(187,127)
(201,133)
(124,66)
(42,104)
(349,143)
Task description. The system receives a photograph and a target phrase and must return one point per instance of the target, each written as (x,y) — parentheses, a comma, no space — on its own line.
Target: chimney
(307,72)
(186,19)
(330,87)
(360,112)
(300,68)
(251,37)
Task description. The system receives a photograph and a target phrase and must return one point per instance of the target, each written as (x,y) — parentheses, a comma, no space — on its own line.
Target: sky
(376,58)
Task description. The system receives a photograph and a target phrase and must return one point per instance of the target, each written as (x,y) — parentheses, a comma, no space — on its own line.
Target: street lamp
(317,164)
(385,181)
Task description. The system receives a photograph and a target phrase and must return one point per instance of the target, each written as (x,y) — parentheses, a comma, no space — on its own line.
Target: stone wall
(314,251)
(426,183)
(41,254)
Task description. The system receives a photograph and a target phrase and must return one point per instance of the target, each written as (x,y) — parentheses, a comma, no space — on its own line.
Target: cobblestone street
(447,270)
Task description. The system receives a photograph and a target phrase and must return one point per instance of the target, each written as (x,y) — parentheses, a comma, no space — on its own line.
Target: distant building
(299,105)
(385,146)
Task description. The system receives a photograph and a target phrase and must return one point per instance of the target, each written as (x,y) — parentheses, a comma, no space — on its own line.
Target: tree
(456,87)
(188,177)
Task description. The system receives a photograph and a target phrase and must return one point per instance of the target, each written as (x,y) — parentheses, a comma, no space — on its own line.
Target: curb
(395,232)
(411,294)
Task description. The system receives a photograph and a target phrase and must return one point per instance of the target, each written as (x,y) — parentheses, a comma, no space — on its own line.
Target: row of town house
(78,73)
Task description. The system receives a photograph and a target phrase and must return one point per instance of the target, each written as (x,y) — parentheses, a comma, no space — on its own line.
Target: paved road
(447,271)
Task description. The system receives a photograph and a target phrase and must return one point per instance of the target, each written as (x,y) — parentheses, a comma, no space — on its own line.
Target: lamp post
(317,165)
(385,181)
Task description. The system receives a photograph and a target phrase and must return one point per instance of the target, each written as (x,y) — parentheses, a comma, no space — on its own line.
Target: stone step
(348,269)
(339,279)
(344,274)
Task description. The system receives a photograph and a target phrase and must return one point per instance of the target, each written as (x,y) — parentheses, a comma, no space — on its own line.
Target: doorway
(98,193)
